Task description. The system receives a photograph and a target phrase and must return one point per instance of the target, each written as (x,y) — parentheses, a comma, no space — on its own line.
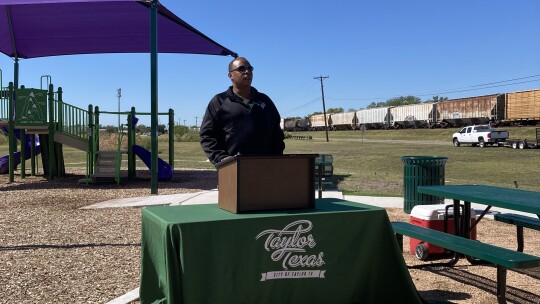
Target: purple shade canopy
(40,28)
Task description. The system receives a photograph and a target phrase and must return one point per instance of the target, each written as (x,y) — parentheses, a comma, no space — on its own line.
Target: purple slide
(164,169)
(4,160)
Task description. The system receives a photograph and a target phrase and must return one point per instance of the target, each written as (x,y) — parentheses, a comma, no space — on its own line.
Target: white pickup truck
(480,135)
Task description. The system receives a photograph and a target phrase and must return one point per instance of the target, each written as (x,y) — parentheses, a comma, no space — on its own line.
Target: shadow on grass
(332,182)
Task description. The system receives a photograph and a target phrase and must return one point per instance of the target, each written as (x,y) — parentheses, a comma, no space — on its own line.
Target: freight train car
(294,125)
(412,116)
(303,124)
(478,110)
(522,108)
(375,118)
(317,122)
(517,108)
(342,121)
(289,125)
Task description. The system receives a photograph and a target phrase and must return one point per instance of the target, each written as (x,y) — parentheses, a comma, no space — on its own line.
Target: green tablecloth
(340,252)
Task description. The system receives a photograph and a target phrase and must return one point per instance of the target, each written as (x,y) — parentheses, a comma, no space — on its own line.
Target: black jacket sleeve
(211,133)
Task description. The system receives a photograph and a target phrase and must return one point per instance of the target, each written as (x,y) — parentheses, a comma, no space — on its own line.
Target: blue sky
(371,51)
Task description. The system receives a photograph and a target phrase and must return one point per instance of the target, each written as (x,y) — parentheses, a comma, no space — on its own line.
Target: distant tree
(111,129)
(352,110)
(403,100)
(185,134)
(376,105)
(141,129)
(334,110)
(161,129)
(436,99)
(315,113)
(291,118)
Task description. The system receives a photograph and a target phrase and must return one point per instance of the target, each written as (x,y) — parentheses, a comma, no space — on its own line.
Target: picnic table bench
(324,170)
(502,257)
(520,221)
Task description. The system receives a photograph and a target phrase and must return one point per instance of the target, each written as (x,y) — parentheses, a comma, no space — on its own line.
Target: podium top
(285,156)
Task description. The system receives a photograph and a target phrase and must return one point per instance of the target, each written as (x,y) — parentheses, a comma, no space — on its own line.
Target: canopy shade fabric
(40,28)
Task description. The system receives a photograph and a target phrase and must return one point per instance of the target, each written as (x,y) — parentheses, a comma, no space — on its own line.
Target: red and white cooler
(432,216)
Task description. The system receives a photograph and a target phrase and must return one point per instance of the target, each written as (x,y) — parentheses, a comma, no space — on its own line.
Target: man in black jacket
(241,120)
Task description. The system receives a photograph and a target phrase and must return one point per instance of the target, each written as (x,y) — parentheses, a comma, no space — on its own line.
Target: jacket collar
(254,95)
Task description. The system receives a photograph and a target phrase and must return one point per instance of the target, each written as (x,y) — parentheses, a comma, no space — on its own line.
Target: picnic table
(478,252)
(507,198)
(338,252)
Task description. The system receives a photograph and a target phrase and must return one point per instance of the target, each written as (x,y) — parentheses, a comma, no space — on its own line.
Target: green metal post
(60,110)
(171,138)
(23,153)
(91,147)
(33,155)
(11,135)
(23,149)
(154,94)
(96,147)
(129,146)
(52,157)
(131,155)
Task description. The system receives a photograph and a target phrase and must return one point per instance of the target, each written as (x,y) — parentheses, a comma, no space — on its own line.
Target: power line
(456,90)
(295,90)
(304,105)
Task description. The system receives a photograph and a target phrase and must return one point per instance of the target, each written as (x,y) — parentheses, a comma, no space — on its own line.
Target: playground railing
(4,104)
(72,121)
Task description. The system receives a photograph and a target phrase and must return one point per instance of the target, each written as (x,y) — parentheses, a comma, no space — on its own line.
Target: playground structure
(30,112)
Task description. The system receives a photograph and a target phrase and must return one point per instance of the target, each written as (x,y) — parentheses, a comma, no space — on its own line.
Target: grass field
(369,163)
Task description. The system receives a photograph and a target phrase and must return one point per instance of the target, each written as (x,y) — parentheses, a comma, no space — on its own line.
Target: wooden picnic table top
(508,198)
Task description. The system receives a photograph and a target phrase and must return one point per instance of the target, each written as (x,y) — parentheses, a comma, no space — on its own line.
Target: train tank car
(375,118)
(470,111)
(317,122)
(412,116)
(343,121)
(303,124)
(290,125)
(523,107)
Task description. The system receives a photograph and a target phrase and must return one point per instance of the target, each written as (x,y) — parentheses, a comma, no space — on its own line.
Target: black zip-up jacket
(230,127)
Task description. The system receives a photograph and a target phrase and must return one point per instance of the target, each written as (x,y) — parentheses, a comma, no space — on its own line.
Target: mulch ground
(53,252)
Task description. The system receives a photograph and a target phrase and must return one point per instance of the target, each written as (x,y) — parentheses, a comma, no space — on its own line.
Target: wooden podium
(255,183)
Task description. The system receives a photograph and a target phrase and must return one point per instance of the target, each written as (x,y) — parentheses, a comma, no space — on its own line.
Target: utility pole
(196,121)
(321,78)
(184,122)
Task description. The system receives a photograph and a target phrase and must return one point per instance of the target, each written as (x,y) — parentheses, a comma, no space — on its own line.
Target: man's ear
(230,75)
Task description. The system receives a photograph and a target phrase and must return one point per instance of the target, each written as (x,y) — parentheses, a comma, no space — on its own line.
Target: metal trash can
(421,171)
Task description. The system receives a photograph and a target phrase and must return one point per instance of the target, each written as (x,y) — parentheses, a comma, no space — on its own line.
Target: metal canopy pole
(153,96)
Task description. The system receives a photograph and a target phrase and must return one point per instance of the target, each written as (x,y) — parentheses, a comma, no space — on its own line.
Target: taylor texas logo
(293,247)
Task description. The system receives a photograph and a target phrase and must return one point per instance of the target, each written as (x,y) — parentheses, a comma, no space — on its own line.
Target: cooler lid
(434,212)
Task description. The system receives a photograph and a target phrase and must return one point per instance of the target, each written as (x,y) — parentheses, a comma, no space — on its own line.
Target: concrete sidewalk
(211,197)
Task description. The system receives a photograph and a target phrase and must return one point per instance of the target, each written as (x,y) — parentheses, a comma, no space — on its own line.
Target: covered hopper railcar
(477,110)
(343,121)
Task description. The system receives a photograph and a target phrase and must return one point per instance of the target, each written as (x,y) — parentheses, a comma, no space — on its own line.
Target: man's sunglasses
(243,69)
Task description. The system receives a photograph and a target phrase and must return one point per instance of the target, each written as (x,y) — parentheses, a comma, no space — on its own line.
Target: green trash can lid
(424,160)
(424,157)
